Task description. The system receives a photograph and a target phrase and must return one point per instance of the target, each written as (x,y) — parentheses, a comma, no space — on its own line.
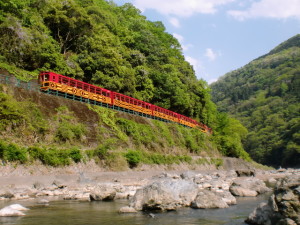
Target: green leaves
(264,95)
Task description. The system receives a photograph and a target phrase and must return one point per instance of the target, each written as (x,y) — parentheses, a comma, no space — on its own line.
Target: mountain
(265,96)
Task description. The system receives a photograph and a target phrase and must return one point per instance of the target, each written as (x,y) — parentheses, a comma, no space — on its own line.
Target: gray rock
(283,207)
(188,175)
(227,197)
(286,222)
(248,187)
(245,173)
(78,195)
(242,192)
(127,209)
(208,199)
(103,193)
(261,215)
(165,194)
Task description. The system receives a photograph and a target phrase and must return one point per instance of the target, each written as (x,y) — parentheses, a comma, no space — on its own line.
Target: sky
(218,36)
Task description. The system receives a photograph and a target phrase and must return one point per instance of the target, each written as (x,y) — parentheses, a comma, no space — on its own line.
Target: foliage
(133,158)
(14,153)
(14,114)
(68,129)
(99,42)
(265,96)
(114,47)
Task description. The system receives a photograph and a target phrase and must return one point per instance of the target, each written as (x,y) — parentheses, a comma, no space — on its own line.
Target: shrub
(75,155)
(14,153)
(133,158)
(52,156)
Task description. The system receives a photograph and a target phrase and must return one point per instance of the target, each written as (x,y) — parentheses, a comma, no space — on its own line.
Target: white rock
(18,207)
(8,211)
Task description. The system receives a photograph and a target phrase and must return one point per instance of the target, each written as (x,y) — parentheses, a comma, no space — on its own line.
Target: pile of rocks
(283,207)
(170,192)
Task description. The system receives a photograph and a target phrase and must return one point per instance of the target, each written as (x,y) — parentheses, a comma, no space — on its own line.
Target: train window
(86,87)
(98,91)
(92,89)
(46,77)
(79,85)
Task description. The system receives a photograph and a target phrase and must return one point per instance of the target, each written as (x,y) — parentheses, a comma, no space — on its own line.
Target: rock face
(283,207)
(165,194)
(248,187)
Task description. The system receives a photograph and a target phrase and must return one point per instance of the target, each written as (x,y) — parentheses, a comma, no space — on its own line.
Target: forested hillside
(98,42)
(265,96)
(111,46)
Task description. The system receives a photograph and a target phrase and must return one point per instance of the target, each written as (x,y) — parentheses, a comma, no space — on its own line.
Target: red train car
(69,86)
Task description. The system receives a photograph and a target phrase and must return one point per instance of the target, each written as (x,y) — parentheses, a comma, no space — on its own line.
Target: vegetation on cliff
(114,47)
(265,96)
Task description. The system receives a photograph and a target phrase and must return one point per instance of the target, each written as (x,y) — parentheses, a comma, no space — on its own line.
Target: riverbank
(174,188)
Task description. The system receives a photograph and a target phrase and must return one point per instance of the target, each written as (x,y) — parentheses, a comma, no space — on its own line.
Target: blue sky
(219,36)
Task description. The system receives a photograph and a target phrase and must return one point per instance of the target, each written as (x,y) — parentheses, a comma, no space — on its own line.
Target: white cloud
(175,22)
(194,62)
(211,55)
(278,9)
(182,8)
(180,38)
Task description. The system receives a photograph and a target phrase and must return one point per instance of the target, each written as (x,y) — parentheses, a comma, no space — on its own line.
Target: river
(62,212)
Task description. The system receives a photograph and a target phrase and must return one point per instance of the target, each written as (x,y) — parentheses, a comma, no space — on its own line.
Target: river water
(62,212)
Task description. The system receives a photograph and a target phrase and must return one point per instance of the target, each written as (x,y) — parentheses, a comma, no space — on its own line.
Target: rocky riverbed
(146,190)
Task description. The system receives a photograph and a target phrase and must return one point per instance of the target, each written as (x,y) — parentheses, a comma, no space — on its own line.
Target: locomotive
(54,83)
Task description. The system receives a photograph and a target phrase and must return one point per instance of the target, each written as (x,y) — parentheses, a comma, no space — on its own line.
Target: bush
(133,158)
(75,155)
(14,153)
(52,156)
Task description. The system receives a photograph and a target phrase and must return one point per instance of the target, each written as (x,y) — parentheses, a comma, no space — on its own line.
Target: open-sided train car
(84,91)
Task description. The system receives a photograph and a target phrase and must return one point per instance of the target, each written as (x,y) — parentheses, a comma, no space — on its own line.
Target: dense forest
(111,46)
(265,96)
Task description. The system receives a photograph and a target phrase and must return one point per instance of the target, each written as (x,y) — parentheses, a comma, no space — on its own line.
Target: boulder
(127,209)
(12,211)
(103,193)
(227,197)
(78,195)
(242,192)
(245,173)
(248,187)
(18,207)
(165,194)
(283,207)
(207,199)
(188,175)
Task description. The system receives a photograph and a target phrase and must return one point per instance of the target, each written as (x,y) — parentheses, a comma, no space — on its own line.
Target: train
(68,87)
